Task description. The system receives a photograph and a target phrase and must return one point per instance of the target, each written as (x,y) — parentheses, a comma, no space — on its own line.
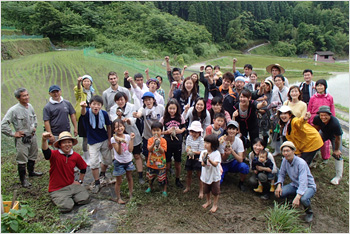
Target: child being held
(263,165)
(211,173)
(123,145)
(194,146)
(156,163)
(216,127)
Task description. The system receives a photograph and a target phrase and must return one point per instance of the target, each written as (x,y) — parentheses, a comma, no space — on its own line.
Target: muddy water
(338,87)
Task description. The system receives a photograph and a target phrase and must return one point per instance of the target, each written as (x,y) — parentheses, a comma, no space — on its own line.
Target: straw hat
(269,68)
(65,136)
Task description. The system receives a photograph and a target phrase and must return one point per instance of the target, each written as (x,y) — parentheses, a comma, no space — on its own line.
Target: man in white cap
(64,190)
(303,185)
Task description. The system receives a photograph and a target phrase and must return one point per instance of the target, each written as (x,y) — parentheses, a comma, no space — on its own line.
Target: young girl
(194,146)
(321,98)
(211,174)
(123,145)
(197,112)
(195,79)
(174,126)
(124,110)
(152,112)
(187,95)
(216,107)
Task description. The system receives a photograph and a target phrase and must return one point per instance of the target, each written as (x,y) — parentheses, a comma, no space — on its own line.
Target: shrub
(281,218)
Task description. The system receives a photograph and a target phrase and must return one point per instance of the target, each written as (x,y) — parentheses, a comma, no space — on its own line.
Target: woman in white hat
(306,138)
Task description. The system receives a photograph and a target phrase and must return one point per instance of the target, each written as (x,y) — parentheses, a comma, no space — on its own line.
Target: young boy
(263,165)
(94,120)
(216,127)
(225,91)
(232,149)
(156,163)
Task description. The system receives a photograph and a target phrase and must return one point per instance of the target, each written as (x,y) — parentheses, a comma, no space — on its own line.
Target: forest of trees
(189,29)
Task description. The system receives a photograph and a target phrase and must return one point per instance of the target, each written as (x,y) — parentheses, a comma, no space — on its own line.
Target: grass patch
(342,108)
(342,117)
(282,218)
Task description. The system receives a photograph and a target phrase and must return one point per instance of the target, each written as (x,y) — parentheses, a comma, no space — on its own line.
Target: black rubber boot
(309,214)
(22,176)
(31,172)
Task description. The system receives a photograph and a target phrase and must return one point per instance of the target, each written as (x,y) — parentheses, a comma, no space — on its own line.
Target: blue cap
(54,88)
(148,94)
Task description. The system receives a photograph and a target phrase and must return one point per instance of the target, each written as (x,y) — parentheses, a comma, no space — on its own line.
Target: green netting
(154,69)
(9,37)
(8,27)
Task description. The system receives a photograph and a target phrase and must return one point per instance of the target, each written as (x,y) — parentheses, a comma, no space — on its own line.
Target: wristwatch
(80,181)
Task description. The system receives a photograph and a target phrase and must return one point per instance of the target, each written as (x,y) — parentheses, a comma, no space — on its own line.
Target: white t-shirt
(210,173)
(126,155)
(237,146)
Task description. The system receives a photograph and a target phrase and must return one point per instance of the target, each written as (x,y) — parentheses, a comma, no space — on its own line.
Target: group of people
(216,132)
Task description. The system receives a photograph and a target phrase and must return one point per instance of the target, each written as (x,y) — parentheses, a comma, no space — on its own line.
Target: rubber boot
(309,214)
(259,189)
(277,148)
(86,157)
(22,176)
(272,188)
(31,172)
(338,171)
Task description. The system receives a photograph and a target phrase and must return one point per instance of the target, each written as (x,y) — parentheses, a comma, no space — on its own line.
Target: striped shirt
(196,145)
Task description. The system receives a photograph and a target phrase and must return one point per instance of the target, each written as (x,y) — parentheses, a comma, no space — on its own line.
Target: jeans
(291,190)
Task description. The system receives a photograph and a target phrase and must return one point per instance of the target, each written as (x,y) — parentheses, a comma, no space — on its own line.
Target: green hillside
(37,72)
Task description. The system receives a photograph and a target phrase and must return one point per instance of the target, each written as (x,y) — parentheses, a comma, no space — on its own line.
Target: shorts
(213,187)
(97,151)
(193,164)
(173,150)
(137,149)
(160,174)
(122,168)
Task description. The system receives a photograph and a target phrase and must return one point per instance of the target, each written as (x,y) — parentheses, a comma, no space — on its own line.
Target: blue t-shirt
(96,135)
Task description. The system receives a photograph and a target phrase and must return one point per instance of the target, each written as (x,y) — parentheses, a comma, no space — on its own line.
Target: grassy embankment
(15,48)
(38,72)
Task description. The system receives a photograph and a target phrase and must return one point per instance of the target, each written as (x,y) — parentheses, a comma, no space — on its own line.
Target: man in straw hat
(64,190)
(303,185)
(276,69)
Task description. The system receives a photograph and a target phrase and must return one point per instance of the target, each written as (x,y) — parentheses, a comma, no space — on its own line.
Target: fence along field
(37,72)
